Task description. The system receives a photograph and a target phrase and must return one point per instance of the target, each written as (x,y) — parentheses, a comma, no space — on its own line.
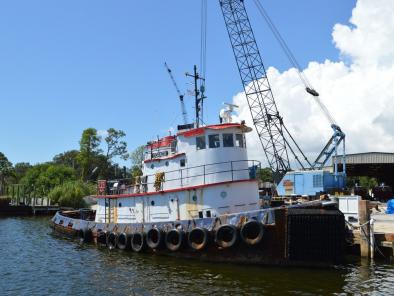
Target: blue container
(309,183)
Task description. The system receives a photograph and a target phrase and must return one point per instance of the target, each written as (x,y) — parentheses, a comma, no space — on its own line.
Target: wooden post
(364,217)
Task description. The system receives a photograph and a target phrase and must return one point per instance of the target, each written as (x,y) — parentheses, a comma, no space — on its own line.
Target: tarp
(390,207)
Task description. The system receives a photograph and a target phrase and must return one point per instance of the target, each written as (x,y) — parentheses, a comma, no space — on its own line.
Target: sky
(69,65)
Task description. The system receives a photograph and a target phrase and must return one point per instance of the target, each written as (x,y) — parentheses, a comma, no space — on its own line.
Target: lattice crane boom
(265,115)
(180,95)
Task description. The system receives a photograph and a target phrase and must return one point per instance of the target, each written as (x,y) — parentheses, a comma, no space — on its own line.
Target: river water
(34,261)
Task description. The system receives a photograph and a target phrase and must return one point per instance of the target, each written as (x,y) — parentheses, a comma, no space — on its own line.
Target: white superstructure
(198,173)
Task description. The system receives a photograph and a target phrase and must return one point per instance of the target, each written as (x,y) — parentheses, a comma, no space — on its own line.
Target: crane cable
(203,45)
(293,61)
(203,52)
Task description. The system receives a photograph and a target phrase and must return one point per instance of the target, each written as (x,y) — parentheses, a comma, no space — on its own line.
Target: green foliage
(6,171)
(265,175)
(115,146)
(71,194)
(363,181)
(89,147)
(41,178)
(136,171)
(20,170)
(137,156)
(70,159)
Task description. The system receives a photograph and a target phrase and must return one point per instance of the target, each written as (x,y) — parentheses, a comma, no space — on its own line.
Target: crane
(181,96)
(276,140)
(265,115)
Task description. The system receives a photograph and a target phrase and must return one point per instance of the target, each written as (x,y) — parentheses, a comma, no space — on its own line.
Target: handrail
(144,186)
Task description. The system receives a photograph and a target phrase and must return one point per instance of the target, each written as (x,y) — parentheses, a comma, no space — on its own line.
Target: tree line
(70,175)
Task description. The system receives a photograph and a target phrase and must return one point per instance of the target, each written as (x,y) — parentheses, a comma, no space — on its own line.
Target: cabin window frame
(212,144)
(198,144)
(228,145)
(182,162)
(240,141)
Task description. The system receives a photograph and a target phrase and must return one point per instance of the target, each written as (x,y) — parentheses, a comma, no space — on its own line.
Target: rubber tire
(222,234)
(138,247)
(246,227)
(158,244)
(85,235)
(126,245)
(180,235)
(195,245)
(102,238)
(112,240)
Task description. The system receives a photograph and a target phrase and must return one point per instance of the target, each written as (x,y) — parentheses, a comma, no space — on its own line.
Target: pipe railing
(193,176)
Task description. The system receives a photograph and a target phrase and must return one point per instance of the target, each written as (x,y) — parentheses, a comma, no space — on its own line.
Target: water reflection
(34,262)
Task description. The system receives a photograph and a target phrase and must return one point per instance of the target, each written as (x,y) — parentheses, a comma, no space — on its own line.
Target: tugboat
(199,193)
(198,196)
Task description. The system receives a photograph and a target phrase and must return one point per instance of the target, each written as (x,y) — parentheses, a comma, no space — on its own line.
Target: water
(35,262)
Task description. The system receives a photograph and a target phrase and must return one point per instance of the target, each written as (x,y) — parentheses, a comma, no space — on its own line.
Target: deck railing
(189,177)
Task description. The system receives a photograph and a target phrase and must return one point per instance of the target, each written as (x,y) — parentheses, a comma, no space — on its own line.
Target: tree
(41,178)
(71,194)
(20,170)
(6,171)
(137,157)
(265,175)
(115,146)
(89,147)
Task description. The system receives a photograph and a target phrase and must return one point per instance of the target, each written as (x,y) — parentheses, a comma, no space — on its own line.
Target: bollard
(364,217)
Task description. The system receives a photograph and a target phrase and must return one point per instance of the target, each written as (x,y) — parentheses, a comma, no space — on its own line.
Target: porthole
(120,205)
(194,197)
(223,194)
(152,166)
(167,163)
(152,202)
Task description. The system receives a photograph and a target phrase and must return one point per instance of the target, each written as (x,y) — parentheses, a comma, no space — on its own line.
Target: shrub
(70,194)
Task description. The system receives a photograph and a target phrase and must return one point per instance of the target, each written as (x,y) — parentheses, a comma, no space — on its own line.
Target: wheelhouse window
(228,140)
(214,141)
(200,143)
(239,140)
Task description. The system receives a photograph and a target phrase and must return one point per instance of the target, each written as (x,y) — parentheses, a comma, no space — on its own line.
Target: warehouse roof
(367,158)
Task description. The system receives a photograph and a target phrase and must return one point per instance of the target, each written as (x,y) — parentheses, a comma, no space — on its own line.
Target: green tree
(71,194)
(265,175)
(20,170)
(89,147)
(115,145)
(41,178)
(6,171)
(137,157)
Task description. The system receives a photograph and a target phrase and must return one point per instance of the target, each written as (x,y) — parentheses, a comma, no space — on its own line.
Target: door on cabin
(139,209)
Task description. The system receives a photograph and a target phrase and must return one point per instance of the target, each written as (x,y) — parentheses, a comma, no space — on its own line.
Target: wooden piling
(364,217)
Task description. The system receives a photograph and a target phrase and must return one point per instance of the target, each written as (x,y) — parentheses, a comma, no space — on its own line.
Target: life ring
(226,236)
(198,238)
(252,232)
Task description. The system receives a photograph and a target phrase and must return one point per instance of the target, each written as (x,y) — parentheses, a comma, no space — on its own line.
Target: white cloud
(358,93)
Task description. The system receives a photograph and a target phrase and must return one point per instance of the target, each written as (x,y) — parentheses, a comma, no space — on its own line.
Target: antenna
(198,94)
(181,96)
